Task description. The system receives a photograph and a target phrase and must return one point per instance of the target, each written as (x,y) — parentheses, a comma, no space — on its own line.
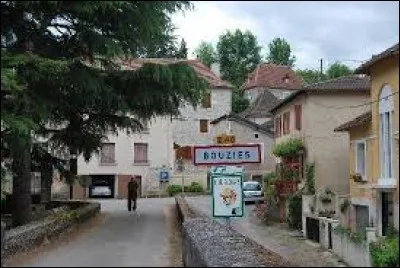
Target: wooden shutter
(140,151)
(278,126)
(203,126)
(108,153)
(297,111)
(288,123)
(206,101)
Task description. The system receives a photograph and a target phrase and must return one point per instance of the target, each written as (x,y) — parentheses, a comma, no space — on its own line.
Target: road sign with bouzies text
(226,155)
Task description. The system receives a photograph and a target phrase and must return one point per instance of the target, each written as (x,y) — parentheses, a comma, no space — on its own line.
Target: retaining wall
(207,243)
(33,234)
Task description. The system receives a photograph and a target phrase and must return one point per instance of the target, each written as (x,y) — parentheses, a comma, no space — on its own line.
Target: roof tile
(202,70)
(273,76)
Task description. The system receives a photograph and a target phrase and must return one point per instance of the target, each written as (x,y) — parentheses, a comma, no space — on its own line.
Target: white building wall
(160,152)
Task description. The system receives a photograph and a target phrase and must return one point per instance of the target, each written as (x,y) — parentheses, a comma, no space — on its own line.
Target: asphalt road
(122,239)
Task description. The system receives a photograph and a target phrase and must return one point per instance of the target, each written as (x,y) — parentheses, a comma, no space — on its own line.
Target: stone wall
(31,235)
(207,243)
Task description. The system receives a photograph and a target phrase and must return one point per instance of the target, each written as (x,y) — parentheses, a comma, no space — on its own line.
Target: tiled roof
(273,76)
(358,121)
(202,70)
(364,68)
(244,121)
(352,83)
(261,106)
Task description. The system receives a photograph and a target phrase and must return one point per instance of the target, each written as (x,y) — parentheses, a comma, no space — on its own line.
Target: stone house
(311,114)
(373,155)
(265,87)
(248,132)
(144,154)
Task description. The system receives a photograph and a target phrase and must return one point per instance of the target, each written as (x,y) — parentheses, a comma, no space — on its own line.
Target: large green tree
(280,52)
(63,81)
(183,51)
(311,76)
(338,69)
(238,55)
(205,52)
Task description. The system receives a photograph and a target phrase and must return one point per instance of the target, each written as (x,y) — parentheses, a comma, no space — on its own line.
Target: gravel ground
(276,238)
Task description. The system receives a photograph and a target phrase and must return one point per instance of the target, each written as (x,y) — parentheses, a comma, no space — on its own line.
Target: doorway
(103,186)
(387,211)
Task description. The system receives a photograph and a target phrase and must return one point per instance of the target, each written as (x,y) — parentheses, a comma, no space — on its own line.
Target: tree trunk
(46,182)
(22,199)
(74,170)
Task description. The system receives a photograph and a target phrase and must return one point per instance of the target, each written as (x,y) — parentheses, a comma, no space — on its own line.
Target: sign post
(226,176)
(227,192)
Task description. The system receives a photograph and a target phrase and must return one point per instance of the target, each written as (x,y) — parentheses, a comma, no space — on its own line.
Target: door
(362,218)
(312,229)
(387,211)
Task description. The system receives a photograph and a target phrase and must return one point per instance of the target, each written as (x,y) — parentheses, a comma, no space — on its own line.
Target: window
(286,123)
(140,151)
(36,182)
(385,132)
(206,101)
(256,135)
(284,95)
(297,111)
(203,126)
(361,161)
(107,153)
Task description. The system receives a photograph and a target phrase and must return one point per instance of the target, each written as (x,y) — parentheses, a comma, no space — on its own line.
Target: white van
(252,191)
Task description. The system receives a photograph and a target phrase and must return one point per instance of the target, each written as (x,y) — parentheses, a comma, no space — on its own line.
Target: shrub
(270,178)
(385,252)
(295,210)
(310,178)
(288,148)
(174,189)
(196,187)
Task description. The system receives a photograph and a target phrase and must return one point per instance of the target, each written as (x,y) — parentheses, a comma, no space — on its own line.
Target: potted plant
(357,177)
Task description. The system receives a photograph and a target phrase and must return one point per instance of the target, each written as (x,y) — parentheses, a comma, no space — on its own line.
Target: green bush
(295,207)
(288,148)
(196,187)
(310,178)
(174,189)
(270,178)
(385,252)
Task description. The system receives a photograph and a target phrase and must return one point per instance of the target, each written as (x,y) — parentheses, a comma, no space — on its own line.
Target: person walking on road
(132,194)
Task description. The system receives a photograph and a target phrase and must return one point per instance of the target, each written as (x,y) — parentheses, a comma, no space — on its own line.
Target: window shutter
(206,101)
(203,126)
(278,126)
(140,153)
(288,123)
(297,111)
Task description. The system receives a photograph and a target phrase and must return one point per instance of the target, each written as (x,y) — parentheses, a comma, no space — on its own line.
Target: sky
(348,32)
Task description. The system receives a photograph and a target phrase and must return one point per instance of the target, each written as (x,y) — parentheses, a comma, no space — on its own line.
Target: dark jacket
(133,189)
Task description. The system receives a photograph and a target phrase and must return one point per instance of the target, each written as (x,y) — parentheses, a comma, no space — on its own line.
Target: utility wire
(355,106)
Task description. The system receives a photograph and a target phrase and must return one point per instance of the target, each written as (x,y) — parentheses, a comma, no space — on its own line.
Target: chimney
(215,68)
